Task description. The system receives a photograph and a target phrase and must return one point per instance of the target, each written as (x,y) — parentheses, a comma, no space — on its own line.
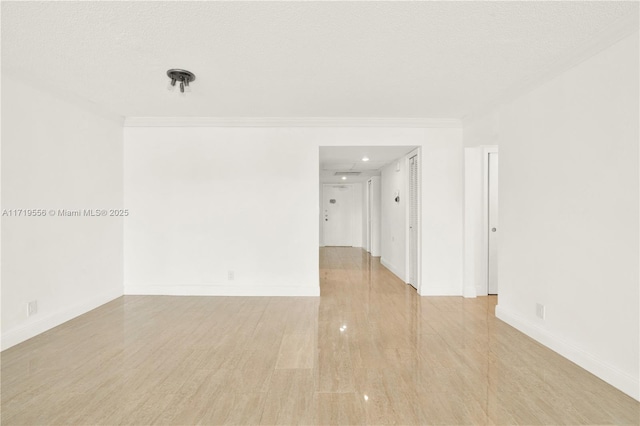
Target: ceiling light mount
(183,76)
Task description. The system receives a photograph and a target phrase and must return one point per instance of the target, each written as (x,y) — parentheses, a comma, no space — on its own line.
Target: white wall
(320,217)
(357,209)
(474,253)
(364,223)
(212,199)
(442,218)
(57,155)
(393,242)
(569,209)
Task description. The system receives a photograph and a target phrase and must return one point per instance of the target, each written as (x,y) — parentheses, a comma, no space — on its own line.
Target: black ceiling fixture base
(183,76)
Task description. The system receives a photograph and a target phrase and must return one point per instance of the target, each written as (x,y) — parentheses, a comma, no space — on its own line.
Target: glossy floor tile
(368,351)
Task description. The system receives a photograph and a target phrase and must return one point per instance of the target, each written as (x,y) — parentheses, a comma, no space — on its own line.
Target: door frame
(368,186)
(407,177)
(372,215)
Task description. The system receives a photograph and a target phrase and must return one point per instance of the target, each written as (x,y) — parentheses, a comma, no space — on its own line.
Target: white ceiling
(299,59)
(349,158)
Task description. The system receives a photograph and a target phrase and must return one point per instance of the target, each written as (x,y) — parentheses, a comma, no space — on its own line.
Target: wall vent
(347,173)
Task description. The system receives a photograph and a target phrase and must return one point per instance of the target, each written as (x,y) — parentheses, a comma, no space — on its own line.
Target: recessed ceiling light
(344,178)
(365,158)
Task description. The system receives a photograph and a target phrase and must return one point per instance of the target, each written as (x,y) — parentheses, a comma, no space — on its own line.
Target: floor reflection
(369,350)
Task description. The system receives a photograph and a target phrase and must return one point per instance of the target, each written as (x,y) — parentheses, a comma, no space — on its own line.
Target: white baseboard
(220,290)
(481,291)
(395,271)
(610,374)
(469,291)
(46,322)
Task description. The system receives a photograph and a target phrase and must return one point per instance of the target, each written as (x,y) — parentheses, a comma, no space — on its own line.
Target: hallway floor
(368,351)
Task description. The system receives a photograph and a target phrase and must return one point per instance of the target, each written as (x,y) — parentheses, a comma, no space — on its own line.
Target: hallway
(368,351)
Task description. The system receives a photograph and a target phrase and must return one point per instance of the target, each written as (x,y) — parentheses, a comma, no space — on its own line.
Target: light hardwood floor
(368,351)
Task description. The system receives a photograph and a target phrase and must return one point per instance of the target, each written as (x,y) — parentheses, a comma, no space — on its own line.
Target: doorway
(375,213)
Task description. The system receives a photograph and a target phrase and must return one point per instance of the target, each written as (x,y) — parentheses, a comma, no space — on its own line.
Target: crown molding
(291,122)
(606,38)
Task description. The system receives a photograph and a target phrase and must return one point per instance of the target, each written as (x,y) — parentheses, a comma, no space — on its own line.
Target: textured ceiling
(297,59)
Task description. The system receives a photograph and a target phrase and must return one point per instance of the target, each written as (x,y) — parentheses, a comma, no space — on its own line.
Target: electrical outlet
(540,311)
(32,308)
(231,275)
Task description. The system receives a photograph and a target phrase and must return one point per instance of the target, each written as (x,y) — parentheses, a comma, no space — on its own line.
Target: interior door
(413,221)
(336,215)
(492,276)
